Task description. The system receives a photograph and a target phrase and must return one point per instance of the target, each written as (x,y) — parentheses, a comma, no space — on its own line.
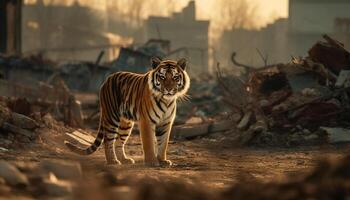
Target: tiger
(147,99)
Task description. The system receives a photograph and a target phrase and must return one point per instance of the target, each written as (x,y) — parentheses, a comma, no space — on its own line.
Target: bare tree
(237,14)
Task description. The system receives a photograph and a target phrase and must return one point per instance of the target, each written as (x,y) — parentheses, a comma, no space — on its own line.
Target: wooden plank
(194,130)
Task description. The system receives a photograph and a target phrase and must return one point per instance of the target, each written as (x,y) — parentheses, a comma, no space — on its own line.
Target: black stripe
(161,130)
(166,124)
(124,129)
(171,103)
(155,113)
(160,133)
(152,120)
(171,114)
(158,104)
(111,115)
(93,147)
(109,139)
(110,129)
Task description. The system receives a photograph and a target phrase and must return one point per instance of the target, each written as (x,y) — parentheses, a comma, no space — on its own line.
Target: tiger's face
(169,78)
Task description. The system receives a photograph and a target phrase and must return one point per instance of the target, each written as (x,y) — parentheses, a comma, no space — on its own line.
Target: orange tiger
(147,99)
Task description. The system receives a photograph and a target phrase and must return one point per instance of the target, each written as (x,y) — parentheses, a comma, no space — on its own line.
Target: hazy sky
(267,10)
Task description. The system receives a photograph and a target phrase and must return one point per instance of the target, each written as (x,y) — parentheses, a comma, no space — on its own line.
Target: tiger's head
(168,78)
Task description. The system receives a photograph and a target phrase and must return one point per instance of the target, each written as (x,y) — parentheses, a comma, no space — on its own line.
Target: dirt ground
(214,161)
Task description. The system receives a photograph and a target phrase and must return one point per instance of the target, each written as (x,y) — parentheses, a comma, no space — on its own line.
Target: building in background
(188,36)
(10,26)
(66,33)
(308,20)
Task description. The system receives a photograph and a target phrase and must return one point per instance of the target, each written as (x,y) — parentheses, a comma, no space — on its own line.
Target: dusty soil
(214,161)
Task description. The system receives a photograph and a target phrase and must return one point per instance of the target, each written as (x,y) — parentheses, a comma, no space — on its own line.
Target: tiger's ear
(155,61)
(182,63)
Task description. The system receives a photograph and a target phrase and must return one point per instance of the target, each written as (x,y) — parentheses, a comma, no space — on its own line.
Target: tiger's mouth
(169,93)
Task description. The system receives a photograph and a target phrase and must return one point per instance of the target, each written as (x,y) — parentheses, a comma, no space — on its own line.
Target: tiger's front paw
(166,163)
(113,162)
(128,161)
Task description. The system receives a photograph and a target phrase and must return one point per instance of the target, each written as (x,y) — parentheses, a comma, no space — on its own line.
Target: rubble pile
(328,180)
(67,179)
(21,122)
(204,102)
(302,102)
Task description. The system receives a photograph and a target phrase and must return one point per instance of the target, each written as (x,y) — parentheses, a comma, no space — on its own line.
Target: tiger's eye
(176,78)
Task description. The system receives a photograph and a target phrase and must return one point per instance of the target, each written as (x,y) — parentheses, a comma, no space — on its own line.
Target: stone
(264,103)
(2,149)
(55,187)
(23,121)
(311,137)
(343,79)
(337,135)
(12,175)
(244,123)
(49,121)
(62,169)
(194,120)
(4,114)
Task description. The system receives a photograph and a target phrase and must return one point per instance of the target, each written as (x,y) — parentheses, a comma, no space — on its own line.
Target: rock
(311,137)
(5,142)
(2,149)
(337,135)
(248,136)
(244,123)
(306,131)
(62,169)
(48,120)
(4,190)
(23,121)
(12,175)
(55,187)
(194,120)
(4,114)
(264,103)
(122,192)
(17,130)
(343,79)
(2,181)
(309,92)
(20,105)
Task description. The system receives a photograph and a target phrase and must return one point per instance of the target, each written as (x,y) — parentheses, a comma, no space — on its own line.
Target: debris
(20,106)
(58,188)
(331,54)
(22,121)
(194,120)
(283,97)
(2,149)
(15,129)
(343,79)
(337,135)
(244,123)
(62,169)
(12,175)
(194,130)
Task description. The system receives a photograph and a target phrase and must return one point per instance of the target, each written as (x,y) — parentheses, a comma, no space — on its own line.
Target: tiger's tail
(91,149)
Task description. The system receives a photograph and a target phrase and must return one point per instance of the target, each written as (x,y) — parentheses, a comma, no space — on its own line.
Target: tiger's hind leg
(123,133)
(109,140)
